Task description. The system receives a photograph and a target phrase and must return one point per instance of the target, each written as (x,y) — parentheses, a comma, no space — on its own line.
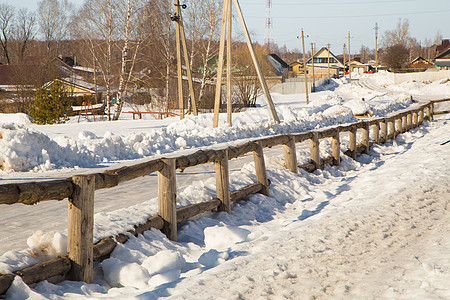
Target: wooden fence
(79,189)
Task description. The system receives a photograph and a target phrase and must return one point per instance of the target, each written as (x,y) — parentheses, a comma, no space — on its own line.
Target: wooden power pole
(312,59)
(328,65)
(349,59)
(304,68)
(226,16)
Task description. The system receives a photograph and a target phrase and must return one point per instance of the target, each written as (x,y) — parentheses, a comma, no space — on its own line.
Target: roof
(331,54)
(421,59)
(279,60)
(444,55)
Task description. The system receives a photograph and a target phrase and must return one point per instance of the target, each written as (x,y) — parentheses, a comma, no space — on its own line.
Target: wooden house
(323,59)
(420,63)
(295,69)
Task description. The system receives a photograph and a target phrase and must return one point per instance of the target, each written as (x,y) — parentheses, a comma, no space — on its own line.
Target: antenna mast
(376,44)
(269,25)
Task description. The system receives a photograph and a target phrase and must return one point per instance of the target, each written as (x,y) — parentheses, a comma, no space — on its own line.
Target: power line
(357,16)
(334,3)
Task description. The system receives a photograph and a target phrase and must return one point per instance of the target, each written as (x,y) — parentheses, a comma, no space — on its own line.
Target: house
(75,86)
(442,61)
(295,69)
(356,66)
(420,63)
(444,46)
(281,67)
(322,60)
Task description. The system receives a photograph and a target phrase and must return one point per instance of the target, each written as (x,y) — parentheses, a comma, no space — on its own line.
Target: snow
(376,227)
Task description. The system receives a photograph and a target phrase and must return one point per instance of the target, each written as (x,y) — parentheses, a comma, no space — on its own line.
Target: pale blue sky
(328,21)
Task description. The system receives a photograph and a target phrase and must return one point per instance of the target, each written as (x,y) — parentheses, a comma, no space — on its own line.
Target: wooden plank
(352,138)
(30,193)
(136,171)
(421,116)
(415,118)
(314,149)
(187,212)
(441,100)
(167,188)
(81,228)
(43,271)
(223,183)
(336,148)
(290,155)
(398,124)
(404,123)
(260,168)
(246,191)
(442,112)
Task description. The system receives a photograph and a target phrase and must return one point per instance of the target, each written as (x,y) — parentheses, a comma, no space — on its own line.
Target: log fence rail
(79,189)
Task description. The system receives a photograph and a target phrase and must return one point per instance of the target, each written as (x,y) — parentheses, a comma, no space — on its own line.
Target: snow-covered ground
(372,228)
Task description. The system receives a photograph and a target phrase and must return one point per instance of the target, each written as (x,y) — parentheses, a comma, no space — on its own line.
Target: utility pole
(328,59)
(376,45)
(349,60)
(229,87)
(345,47)
(304,68)
(314,77)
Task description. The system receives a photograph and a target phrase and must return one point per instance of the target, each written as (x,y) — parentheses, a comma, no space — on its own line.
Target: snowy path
(378,232)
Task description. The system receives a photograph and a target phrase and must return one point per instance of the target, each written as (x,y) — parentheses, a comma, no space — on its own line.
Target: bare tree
(6,19)
(400,35)
(24,32)
(396,57)
(54,19)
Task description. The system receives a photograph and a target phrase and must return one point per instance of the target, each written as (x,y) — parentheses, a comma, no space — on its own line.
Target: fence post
(415,119)
(399,125)
(421,116)
(167,189)
(391,124)
(81,229)
(383,130)
(314,149)
(223,183)
(352,138)
(409,121)
(336,148)
(376,132)
(404,123)
(365,137)
(428,111)
(260,168)
(290,155)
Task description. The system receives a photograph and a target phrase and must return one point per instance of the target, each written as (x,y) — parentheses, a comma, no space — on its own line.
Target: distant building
(442,61)
(321,64)
(295,69)
(420,63)
(281,67)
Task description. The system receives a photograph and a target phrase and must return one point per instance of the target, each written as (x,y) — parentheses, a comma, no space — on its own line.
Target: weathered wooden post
(336,148)
(376,132)
(365,137)
(167,189)
(314,149)
(383,130)
(223,183)
(399,125)
(391,124)
(428,112)
(409,124)
(421,116)
(404,122)
(290,155)
(415,119)
(81,229)
(260,168)
(352,138)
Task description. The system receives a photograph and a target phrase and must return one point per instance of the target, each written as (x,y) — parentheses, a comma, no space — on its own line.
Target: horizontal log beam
(443,112)
(246,191)
(440,100)
(187,212)
(33,192)
(132,172)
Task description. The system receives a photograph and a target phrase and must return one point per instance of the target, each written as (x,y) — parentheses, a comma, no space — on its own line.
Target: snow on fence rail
(79,189)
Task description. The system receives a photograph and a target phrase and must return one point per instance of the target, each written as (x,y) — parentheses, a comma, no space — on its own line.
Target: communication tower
(269,25)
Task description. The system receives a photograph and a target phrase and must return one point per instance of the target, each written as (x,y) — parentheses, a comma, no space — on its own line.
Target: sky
(329,21)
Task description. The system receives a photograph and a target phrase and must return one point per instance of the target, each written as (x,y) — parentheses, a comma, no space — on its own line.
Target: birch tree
(24,32)
(6,22)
